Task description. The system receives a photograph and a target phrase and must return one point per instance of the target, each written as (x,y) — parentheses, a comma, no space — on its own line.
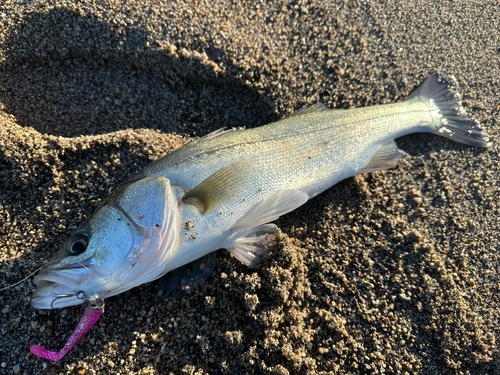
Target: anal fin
(387,156)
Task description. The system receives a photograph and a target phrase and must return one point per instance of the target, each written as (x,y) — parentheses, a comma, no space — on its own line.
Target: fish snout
(60,288)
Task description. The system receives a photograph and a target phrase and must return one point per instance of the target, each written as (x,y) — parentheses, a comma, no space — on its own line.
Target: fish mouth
(61,287)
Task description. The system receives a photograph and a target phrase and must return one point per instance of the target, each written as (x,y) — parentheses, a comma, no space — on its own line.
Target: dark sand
(396,272)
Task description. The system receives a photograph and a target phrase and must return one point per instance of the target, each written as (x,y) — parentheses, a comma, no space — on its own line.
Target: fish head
(125,243)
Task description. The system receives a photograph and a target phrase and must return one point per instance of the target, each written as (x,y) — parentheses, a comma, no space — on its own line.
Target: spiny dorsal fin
(387,156)
(316,107)
(219,133)
(220,186)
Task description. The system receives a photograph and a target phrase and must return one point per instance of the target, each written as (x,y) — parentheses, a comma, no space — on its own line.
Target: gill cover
(151,207)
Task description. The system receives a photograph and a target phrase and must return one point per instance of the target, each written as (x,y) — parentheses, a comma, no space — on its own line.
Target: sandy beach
(394,272)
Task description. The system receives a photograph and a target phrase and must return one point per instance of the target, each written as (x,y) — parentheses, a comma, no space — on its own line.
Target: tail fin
(453,122)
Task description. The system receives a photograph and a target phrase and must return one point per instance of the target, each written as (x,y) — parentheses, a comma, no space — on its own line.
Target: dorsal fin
(220,132)
(316,107)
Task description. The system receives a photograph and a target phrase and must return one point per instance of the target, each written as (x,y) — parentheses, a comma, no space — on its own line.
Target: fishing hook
(93,301)
(60,296)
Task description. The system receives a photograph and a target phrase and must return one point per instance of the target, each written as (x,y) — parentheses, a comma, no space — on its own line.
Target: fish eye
(78,246)
(78,242)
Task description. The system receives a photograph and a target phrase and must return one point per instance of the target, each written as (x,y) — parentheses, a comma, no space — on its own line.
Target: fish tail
(451,119)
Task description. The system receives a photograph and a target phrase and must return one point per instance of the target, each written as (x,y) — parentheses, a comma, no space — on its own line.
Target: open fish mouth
(58,288)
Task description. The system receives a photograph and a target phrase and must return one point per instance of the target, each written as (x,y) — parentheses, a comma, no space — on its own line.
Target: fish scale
(224,190)
(335,139)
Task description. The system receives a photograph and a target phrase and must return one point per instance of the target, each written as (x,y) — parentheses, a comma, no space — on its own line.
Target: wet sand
(394,272)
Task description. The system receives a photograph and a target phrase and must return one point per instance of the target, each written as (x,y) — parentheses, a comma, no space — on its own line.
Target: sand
(395,272)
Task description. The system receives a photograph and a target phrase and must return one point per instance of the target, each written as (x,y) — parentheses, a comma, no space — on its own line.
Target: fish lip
(47,296)
(41,300)
(59,287)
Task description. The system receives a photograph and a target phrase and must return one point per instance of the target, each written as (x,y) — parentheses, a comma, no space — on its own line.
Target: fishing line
(27,277)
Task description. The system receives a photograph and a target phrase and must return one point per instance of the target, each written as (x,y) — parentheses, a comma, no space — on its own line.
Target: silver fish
(223,191)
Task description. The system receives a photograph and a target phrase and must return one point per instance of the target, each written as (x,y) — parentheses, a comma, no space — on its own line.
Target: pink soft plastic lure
(94,309)
(88,319)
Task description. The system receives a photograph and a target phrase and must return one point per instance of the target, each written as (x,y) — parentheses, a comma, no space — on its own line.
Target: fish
(224,190)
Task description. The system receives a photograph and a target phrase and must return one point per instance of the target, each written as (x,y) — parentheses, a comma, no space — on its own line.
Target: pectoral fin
(221,186)
(387,156)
